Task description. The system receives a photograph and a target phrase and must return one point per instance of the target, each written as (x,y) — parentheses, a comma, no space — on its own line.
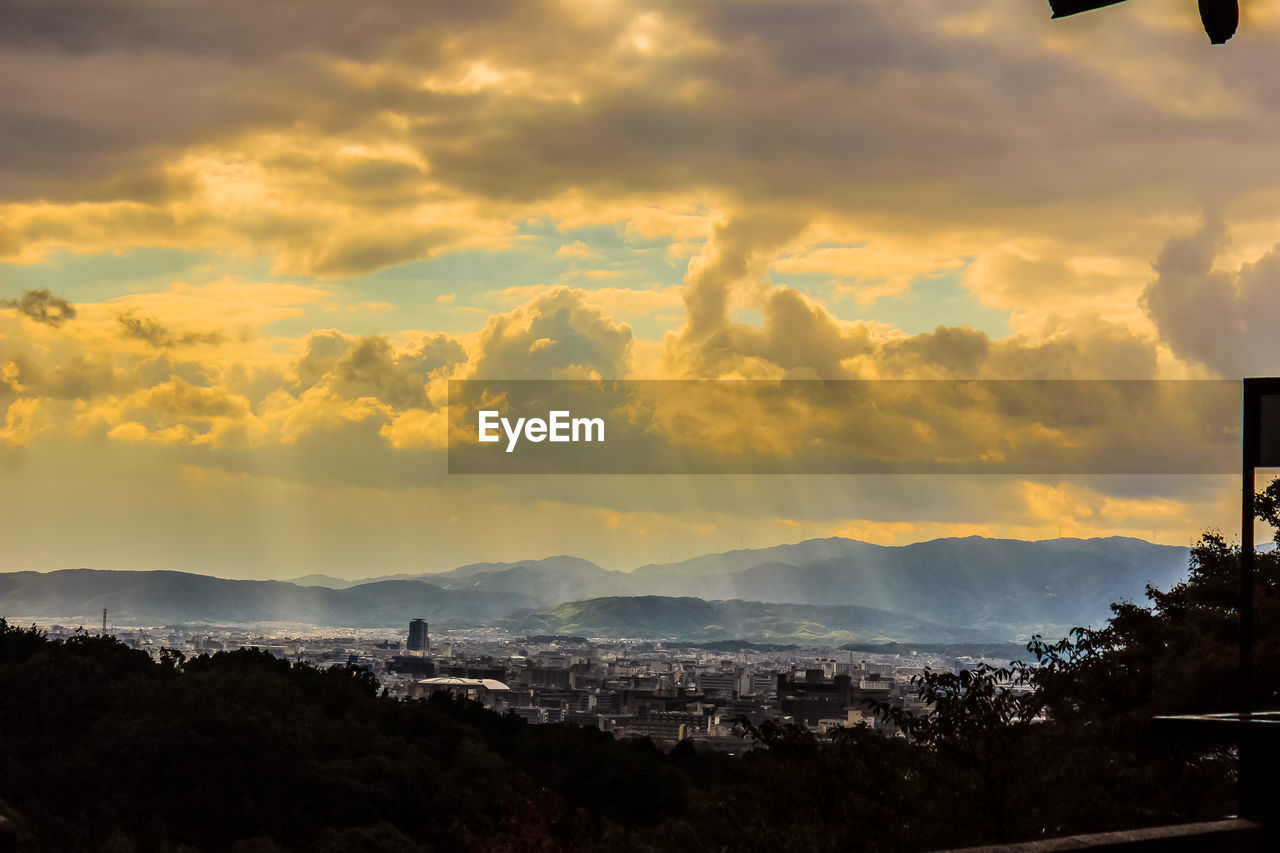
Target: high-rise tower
(419,642)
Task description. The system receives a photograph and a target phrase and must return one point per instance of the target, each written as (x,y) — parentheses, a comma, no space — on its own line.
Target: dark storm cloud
(109,91)
(795,103)
(153,332)
(42,306)
(857,109)
(235,29)
(1224,319)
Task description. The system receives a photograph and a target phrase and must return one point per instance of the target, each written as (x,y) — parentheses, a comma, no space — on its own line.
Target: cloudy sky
(244,247)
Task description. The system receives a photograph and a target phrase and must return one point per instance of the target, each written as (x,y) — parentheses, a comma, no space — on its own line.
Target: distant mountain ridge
(1018,586)
(997,588)
(973,581)
(160,597)
(548,581)
(693,619)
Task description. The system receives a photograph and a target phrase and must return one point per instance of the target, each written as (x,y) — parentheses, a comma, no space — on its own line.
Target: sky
(245,247)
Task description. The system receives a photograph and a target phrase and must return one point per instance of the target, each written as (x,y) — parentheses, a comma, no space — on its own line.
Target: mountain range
(693,620)
(834,590)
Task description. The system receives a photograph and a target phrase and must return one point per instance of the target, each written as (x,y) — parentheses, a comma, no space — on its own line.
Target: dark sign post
(1261,449)
(1255,732)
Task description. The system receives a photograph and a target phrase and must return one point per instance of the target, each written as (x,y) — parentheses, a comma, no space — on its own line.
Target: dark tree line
(103,749)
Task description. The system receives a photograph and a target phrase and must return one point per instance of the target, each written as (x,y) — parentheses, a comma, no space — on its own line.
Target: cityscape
(668,692)
(643,738)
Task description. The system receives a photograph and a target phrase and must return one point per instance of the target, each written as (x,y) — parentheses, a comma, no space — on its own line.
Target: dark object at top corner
(1220,17)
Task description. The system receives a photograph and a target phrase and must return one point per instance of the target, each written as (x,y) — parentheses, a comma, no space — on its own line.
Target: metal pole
(1248,777)
(1252,414)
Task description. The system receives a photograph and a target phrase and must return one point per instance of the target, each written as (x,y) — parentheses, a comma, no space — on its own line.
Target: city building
(419,641)
(477,689)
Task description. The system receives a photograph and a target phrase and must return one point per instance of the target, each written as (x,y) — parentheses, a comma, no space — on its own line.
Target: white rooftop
(490,684)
